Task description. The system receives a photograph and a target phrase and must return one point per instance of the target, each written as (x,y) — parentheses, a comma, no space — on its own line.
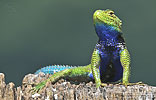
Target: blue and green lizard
(110,61)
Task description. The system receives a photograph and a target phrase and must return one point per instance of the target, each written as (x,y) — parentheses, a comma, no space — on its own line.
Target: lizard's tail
(53,69)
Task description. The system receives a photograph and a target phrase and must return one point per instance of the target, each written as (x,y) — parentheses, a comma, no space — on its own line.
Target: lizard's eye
(111,13)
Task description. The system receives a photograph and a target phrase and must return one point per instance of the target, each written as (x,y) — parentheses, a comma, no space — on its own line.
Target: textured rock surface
(65,90)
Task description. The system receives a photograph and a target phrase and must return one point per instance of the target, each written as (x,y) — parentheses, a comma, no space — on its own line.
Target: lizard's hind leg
(53,78)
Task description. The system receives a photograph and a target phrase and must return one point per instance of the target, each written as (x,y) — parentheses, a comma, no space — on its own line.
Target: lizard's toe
(38,87)
(103,84)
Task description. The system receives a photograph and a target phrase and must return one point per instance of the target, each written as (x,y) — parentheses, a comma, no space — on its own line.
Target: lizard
(110,61)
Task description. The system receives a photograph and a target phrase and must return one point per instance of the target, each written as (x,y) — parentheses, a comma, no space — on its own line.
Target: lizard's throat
(106,32)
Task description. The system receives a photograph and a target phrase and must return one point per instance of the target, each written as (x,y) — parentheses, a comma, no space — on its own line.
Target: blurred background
(36,33)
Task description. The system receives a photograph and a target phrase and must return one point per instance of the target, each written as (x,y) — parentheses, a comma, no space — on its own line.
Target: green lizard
(110,61)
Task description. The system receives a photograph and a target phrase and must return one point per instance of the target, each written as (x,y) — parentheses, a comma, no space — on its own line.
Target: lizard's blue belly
(111,69)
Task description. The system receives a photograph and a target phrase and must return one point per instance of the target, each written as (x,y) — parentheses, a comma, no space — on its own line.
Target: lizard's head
(107,17)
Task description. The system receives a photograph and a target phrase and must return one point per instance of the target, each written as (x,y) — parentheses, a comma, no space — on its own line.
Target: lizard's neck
(106,33)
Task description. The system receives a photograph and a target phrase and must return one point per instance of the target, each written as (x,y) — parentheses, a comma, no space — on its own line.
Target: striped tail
(53,69)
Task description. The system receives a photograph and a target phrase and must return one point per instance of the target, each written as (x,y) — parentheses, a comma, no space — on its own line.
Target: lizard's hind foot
(38,87)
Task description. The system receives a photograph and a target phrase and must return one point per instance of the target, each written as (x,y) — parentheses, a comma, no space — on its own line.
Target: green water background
(36,33)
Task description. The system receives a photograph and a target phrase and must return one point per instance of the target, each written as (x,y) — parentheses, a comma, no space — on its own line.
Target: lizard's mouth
(99,19)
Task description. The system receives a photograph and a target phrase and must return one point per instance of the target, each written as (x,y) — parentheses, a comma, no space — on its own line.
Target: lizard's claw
(38,87)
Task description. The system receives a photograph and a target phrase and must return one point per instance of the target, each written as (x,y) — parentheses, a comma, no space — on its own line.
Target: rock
(69,91)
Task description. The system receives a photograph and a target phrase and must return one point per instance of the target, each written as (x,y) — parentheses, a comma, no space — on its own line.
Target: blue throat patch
(106,33)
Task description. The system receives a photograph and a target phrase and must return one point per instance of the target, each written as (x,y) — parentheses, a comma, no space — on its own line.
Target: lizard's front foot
(38,87)
(128,84)
(138,83)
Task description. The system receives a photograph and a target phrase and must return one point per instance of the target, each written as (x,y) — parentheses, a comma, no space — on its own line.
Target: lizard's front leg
(125,62)
(95,62)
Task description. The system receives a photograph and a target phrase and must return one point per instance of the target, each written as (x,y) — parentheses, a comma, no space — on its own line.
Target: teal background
(36,33)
